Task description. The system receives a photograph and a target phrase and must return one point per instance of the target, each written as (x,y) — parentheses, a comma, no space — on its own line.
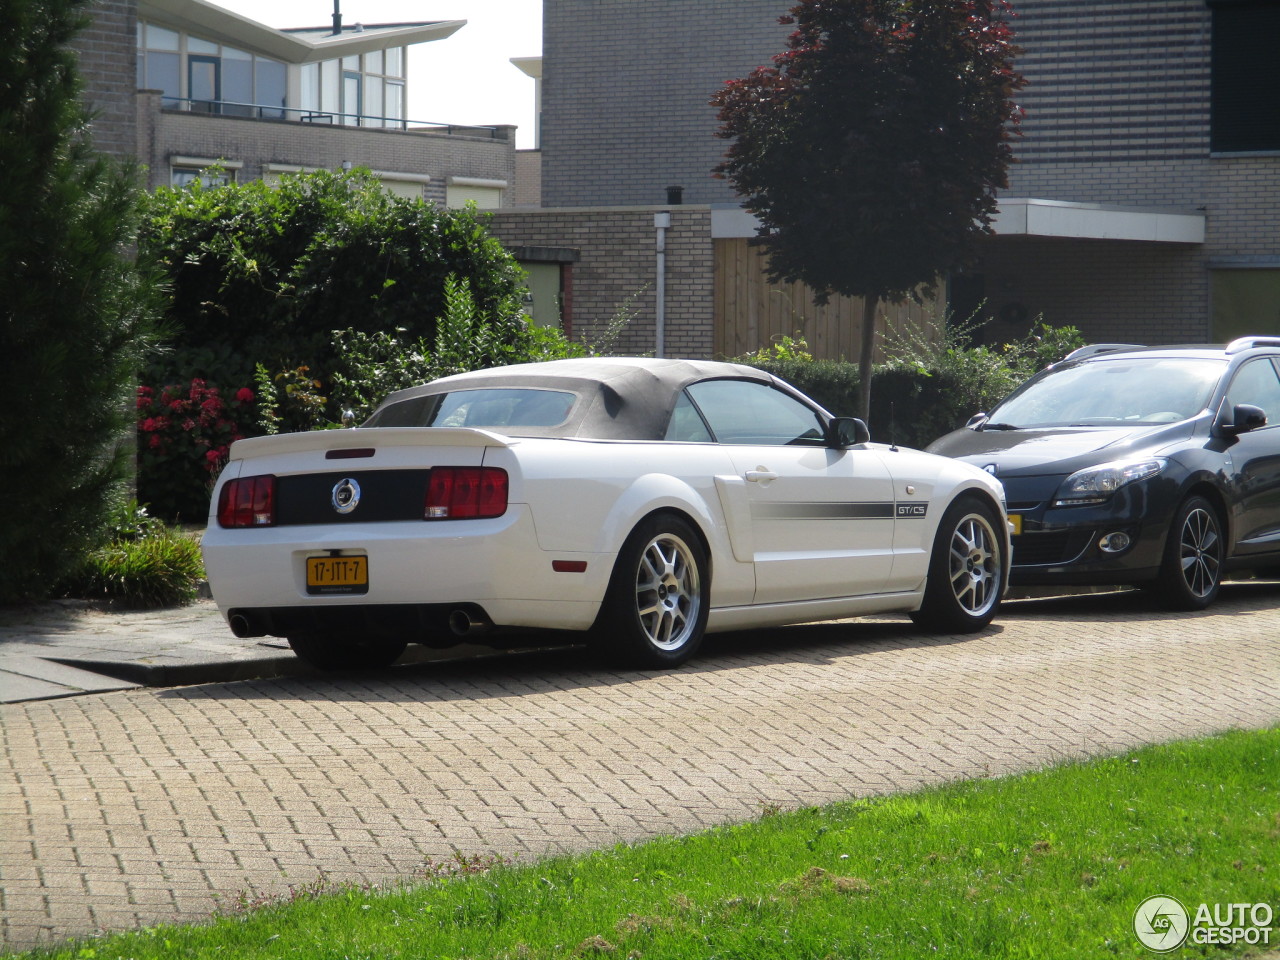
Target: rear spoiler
(365,439)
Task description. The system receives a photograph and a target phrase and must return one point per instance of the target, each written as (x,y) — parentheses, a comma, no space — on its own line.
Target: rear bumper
(418,573)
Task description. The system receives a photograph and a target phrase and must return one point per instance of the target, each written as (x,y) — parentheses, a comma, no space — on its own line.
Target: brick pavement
(145,806)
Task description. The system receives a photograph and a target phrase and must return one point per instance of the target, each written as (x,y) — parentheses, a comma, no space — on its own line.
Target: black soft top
(618,398)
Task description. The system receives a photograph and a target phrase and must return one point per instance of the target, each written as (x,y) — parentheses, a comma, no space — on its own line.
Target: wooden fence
(751,313)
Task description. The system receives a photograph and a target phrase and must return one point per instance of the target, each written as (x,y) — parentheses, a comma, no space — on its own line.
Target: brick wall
(619,264)
(1112,290)
(625,91)
(528,185)
(107,52)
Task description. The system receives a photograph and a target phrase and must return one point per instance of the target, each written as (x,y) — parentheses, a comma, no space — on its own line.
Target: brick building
(185,85)
(1145,204)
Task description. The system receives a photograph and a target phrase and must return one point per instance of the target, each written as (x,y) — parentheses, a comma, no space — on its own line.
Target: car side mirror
(977,420)
(846,432)
(1244,417)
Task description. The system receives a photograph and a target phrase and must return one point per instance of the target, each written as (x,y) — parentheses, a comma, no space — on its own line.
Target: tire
(655,610)
(967,570)
(1191,572)
(329,653)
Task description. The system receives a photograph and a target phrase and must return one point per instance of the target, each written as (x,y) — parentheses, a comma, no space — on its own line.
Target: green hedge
(908,407)
(927,389)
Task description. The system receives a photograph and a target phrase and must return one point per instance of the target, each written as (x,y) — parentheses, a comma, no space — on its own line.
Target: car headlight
(1095,484)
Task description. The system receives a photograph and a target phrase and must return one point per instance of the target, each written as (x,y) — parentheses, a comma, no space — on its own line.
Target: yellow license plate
(1015,524)
(337,574)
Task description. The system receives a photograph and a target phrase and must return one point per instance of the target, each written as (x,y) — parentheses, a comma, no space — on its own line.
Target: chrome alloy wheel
(1200,552)
(668,592)
(975,565)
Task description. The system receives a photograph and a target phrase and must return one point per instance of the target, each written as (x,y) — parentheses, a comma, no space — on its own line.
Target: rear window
(506,408)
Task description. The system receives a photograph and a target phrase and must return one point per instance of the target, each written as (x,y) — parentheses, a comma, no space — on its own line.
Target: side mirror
(1244,417)
(977,420)
(846,432)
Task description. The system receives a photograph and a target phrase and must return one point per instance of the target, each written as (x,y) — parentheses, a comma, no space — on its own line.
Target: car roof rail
(1093,349)
(1248,343)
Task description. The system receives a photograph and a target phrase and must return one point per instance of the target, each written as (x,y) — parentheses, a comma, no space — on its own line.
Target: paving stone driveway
(144,806)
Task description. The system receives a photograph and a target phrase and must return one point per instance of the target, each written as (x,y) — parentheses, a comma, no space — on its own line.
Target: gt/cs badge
(913,509)
(346,495)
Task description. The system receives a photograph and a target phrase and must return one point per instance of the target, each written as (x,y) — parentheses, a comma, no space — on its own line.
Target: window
(1245,98)
(186,176)
(485,194)
(309,87)
(687,425)
(269,87)
(237,82)
(741,411)
(204,83)
(1245,301)
(159,63)
(504,407)
(351,98)
(1102,392)
(1256,383)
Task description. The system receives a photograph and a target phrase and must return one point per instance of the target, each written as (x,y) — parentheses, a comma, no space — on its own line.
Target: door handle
(761,475)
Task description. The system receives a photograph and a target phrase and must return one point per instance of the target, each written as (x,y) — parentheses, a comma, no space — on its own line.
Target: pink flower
(244,394)
(148,425)
(213,456)
(154,441)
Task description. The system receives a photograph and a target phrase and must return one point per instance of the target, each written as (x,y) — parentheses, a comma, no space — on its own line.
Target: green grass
(1050,864)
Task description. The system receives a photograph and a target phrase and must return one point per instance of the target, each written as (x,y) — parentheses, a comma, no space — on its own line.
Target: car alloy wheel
(966,569)
(1192,572)
(655,612)
(975,565)
(668,596)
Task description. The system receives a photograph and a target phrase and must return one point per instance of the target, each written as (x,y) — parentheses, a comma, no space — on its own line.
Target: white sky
(466,78)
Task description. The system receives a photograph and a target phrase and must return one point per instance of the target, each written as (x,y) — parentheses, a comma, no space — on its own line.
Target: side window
(1256,383)
(740,411)
(686,424)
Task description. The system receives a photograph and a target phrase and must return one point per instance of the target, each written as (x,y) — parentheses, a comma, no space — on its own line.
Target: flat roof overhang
(212,22)
(1019,217)
(1025,217)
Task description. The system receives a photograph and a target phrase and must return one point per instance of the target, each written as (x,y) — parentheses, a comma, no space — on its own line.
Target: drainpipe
(661,222)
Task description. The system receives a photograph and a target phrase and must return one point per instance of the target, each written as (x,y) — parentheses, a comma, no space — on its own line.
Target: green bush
(76,311)
(147,564)
(372,365)
(262,273)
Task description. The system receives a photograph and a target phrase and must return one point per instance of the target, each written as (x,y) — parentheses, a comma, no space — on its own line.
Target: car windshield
(506,407)
(1130,390)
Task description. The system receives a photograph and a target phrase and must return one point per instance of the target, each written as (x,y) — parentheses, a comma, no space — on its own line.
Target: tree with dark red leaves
(872,149)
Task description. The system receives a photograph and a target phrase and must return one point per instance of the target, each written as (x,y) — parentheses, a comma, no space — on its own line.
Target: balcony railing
(256,111)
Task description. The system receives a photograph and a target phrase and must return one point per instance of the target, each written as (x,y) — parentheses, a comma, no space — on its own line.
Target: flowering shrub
(184,434)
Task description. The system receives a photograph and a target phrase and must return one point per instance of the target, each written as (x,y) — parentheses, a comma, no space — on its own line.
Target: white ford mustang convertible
(642,502)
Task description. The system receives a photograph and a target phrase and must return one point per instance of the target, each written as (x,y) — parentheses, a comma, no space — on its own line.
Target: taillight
(248,502)
(466,493)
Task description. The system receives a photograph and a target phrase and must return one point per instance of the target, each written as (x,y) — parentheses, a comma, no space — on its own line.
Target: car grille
(1042,549)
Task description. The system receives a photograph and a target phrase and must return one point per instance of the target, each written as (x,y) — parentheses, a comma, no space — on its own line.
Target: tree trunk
(869,304)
